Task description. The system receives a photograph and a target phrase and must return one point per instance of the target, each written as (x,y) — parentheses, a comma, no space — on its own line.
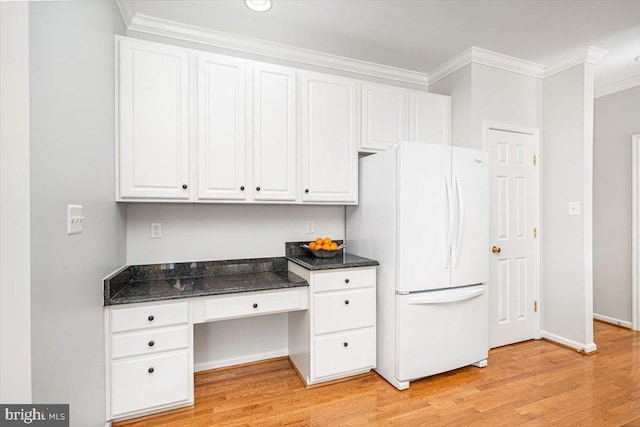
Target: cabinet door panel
(429,118)
(221,128)
(153,115)
(329,136)
(383,116)
(274,133)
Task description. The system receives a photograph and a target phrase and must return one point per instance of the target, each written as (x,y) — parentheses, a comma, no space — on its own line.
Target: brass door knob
(496,250)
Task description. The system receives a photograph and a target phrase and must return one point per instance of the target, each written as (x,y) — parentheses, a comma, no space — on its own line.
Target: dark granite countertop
(306,259)
(158,282)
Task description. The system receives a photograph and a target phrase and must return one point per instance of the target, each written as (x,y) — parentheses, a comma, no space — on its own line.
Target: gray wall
(617,117)
(72,158)
(458,86)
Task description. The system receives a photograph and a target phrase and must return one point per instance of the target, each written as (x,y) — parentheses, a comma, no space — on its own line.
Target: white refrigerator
(423,213)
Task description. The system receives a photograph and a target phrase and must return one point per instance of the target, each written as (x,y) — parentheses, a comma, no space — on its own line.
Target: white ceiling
(420,35)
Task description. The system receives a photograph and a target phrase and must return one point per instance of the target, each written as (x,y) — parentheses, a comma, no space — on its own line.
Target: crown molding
(127,12)
(593,55)
(617,86)
(486,57)
(160,27)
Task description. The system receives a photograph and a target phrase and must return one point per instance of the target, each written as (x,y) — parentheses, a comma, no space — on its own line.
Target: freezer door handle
(458,239)
(443,298)
(447,247)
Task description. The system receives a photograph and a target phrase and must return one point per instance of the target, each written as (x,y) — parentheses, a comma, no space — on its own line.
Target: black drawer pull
(346,280)
(150,318)
(346,301)
(346,344)
(184,186)
(255,305)
(306,190)
(151,343)
(150,370)
(242,188)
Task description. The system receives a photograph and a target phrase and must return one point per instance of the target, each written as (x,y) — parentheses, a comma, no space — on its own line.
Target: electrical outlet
(309,227)
(156,230)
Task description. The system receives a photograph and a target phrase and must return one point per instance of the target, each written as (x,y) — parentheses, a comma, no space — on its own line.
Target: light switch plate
(309,227)
(574,208)
(75,219)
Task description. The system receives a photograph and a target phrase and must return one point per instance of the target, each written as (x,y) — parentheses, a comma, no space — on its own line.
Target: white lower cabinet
(336,337)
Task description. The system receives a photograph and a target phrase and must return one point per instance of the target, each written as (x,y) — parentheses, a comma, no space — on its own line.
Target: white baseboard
(612,320)
(583,348)
(214,364)
(108,424)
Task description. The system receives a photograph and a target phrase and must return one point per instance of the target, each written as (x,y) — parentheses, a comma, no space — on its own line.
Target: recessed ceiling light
(258,5)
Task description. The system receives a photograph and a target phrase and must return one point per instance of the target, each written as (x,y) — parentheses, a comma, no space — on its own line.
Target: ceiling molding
(127,12)
(176,30)
(486,57)
(593,55)
(617,86)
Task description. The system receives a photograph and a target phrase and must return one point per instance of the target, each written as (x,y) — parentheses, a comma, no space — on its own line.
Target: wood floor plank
(534,383)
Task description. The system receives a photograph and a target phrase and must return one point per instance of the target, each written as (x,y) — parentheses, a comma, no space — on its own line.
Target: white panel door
(274,133)
(424,217)
(329,139)
(384,116)
(153,116)
(470,181)
(513,200)
(221,127)
(429,117)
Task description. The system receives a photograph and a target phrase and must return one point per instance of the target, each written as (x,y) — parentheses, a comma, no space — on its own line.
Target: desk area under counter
(150,312)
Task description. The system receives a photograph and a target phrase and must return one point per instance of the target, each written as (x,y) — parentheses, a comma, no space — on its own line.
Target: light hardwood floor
(535,383)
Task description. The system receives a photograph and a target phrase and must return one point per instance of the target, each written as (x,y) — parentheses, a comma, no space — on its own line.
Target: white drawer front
(149,316)
(230,307)
(333,357)
(134,388)
(149,342)
(344,279)
(340,311)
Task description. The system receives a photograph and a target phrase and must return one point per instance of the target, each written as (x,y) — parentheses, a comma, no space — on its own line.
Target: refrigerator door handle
(443,298)
(450,225)
(456,248)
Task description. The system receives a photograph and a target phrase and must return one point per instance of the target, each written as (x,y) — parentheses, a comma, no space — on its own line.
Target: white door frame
(488,125)
(635,243)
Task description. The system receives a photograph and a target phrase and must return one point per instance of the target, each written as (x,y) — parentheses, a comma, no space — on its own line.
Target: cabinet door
(153,116)
(221,127)
(429,117)
(384,116)
(274,133)
(329,138)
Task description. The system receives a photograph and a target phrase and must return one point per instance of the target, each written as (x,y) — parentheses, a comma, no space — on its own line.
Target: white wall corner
(617,86)
(451,66)
(592,56)
(190,33)
(127,12)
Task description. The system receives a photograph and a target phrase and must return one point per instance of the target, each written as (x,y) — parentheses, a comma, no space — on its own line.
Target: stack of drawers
(340,326)
(149,349)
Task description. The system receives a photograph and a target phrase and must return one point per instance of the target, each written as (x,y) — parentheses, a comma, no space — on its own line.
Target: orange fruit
(327,241)
(326,247)
(312,245)
(319,241)
(334,246)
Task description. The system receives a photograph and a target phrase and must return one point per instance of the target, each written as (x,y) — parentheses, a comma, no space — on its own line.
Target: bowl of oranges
(324,248)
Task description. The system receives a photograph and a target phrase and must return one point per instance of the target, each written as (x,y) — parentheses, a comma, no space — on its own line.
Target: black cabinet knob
(257,188)
(346,344)
(242,188)
(346,302)
(150,370)
(184,186)
(255,305)
(151,343)
(150,318)
(346,280)
(306,190)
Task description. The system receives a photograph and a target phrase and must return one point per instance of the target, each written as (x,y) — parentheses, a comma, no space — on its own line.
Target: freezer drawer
(438,331)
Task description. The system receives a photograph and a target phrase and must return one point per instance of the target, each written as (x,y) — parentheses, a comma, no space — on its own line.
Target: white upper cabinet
(429,117)
(274,133)
(221,128)
(329,139)
(384,116)
(153,117)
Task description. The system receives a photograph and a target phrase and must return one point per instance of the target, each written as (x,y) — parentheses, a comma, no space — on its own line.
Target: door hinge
(535,306)
(535,160)
(535,232)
